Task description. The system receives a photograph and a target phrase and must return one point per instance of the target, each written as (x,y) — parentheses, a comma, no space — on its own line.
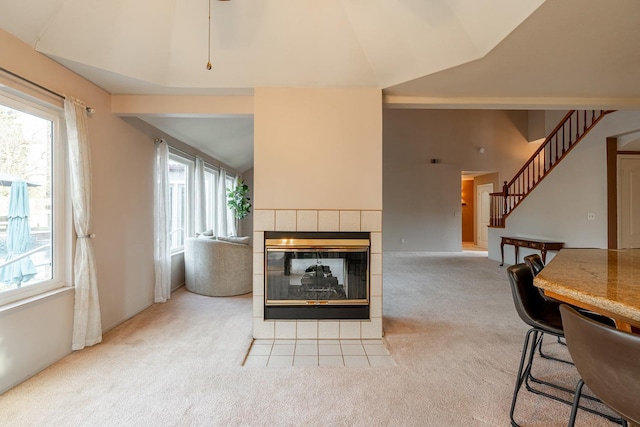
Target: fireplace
(316,275)
(318,318)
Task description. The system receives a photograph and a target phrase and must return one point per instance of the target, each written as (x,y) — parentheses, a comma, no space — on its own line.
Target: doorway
(628,205)
(467,196)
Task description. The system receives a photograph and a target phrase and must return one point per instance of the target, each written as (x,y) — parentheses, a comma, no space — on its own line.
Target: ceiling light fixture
(209,66)
(209,46)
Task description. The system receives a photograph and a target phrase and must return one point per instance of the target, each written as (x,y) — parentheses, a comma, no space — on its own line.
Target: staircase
(573,127)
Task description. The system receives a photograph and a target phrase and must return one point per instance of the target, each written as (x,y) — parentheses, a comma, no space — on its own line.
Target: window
(182,200)
(32,199)
(180,190)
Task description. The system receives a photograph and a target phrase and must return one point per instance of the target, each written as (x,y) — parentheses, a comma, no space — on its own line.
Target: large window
(182,199)
(32,199)
(216,203)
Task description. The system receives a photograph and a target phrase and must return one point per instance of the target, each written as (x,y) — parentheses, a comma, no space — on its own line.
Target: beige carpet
(450,326)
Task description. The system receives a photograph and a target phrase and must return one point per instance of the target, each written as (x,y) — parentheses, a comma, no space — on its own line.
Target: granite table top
(599,278)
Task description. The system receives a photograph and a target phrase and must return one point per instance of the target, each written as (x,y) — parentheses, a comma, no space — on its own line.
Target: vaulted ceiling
(440,53)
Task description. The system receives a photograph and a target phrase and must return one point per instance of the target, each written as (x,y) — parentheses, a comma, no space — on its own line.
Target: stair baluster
(554,148)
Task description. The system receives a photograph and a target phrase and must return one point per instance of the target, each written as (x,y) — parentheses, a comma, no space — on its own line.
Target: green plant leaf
(238,201)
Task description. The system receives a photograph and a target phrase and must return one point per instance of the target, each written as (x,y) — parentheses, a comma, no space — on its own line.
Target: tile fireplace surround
(310,221)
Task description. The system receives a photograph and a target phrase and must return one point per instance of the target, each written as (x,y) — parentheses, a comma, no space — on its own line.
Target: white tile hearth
(281,353)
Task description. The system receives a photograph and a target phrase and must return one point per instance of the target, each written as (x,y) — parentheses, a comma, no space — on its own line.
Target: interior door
(629,201)
(483,203)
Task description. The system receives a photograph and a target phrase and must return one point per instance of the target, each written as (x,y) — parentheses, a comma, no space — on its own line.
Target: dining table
(604,281)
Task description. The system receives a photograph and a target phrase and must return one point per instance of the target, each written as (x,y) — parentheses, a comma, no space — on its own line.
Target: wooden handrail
(543,145)
(554,148)
(510,195)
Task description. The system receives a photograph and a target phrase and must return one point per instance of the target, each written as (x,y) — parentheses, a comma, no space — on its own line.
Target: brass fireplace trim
(303,303)
(316,243)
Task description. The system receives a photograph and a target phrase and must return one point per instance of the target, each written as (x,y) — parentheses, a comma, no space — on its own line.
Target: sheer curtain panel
(162,215)
(221,205)
(234,223)
(87,326)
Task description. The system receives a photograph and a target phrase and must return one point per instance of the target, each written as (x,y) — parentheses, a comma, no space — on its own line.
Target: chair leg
(531,342)
(576,405)
(565,401)
(546,356)
(523,372)
(576,401)
(532,378)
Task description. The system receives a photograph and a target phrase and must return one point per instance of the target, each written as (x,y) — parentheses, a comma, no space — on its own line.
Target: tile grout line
(342,343)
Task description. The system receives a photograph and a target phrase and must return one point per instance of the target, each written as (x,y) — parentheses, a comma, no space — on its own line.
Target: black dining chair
(608,361)
(535,264)
(534,261)
(544,318)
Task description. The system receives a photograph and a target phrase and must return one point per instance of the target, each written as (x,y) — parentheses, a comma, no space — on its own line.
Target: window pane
(210,185)
(26,214)
(178,173)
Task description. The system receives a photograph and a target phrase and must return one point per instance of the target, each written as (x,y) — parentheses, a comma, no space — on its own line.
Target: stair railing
(573,127)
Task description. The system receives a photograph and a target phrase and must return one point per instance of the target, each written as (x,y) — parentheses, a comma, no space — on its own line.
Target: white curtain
(161,210)
(200,200)
(87,326)
(232,220)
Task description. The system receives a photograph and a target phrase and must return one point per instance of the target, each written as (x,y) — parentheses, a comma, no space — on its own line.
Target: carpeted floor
(450,325)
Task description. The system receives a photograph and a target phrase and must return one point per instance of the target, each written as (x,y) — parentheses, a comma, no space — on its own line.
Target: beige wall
(490,178)
(122,159)
(422,200)
(318,148)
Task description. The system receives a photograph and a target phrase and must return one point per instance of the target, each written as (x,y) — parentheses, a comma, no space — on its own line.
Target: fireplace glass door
(308,276)
(316,275)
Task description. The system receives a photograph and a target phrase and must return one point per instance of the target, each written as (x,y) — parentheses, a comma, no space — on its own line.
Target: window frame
(177,157)
(61,247)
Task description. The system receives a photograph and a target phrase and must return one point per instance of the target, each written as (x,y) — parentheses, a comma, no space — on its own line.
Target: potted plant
(238,201)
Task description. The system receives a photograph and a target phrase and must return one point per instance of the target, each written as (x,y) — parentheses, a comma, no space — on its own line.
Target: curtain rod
(39,86)
(157,141)
(189,155)
(179,151)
